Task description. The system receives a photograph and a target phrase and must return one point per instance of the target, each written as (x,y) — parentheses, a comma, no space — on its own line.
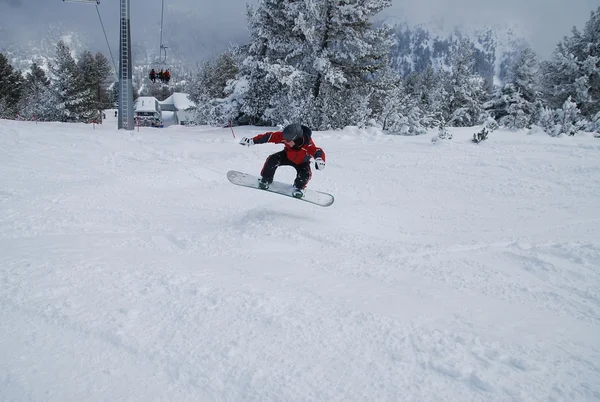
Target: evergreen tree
(95,71)
(313,61)
(74,98)
(37,102)
(35,79)
(86,67)
(10,88)
(518,110)
(427,89)
(566,120)
(271,41)
(515,103)
(217,77)
(350,57)
(209,90)
(574,70)
(443,133)
(524,75)
(547,122)
(388,98)
(569,118)
(594,125)
(465,90)
(113,94)
(397,108)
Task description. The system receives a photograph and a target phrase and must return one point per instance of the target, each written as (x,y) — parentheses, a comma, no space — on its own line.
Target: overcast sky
(211,24)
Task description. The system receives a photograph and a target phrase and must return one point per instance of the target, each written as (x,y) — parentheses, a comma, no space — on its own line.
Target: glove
(319,164)
(247,141)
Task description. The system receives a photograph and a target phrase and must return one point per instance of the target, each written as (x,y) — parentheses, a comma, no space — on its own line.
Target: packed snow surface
(132,270)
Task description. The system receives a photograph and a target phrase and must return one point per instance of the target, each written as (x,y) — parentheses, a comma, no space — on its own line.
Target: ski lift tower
(125,83)
(125,76)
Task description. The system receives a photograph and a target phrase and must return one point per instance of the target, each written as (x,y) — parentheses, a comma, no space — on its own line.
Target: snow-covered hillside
(131,269)
(418,47)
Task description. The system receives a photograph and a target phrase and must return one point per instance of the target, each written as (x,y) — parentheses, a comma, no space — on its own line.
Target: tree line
(69,91)
(324,64)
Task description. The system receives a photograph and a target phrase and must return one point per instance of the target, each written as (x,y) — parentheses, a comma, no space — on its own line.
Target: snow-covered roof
(146,104)
(177,101)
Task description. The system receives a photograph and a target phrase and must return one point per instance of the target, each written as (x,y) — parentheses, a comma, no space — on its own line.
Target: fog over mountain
(542,22)
(200,29)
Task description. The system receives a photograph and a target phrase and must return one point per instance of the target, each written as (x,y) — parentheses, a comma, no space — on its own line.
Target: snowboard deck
(251,181)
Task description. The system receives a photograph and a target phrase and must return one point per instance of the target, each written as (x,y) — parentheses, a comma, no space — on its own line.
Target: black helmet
(292,132)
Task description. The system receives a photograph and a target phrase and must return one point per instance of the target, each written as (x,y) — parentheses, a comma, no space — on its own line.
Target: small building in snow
(148,111)
(181,105)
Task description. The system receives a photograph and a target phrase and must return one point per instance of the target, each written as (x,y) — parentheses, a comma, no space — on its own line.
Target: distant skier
(299,148)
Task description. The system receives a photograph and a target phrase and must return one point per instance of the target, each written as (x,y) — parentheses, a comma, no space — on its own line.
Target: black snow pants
(303,172)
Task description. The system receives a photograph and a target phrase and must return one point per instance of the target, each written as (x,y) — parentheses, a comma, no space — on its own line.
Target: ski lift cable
(101,24)
(162,14)
(162,46)
(106,37)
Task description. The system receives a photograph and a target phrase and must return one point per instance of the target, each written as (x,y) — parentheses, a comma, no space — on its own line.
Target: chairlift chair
(161,65)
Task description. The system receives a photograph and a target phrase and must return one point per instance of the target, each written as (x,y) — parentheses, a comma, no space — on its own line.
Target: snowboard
(251,181)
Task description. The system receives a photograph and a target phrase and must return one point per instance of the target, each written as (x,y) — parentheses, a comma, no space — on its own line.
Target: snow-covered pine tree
(94,71)
(276,47)
(428,92)
(569,118)
(208,90)
(400,112)
(480,136)
(518,109)
(37,102)
(73,97)
(87,70)
(113,94)
(105,75)
(574,70)
(35,79)
(490,124)
(350,57)
(514,104)
(313,61)
(590,47)
(465,89)
(594,125)
(388,100)
(10,88)
(443,132)
(566,120)
(547,121)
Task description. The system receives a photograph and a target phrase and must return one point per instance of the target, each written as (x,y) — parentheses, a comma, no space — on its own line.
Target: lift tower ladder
(125,70)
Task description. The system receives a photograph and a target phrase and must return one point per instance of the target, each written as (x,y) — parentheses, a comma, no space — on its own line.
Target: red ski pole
(231,126)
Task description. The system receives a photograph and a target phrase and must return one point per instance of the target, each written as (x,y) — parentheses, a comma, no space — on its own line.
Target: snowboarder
(298,150)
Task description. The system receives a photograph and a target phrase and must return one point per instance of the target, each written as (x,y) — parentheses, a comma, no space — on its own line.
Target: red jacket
(304,148)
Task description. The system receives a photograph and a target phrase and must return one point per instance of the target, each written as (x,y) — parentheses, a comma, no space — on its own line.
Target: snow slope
(132,270)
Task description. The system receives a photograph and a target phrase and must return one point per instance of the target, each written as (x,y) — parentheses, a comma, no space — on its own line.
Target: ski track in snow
(131,269)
